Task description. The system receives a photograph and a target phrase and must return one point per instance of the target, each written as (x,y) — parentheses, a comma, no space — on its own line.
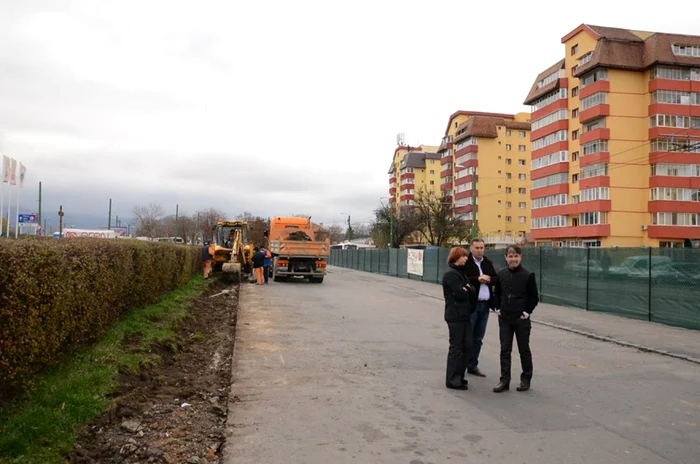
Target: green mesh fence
(654,284)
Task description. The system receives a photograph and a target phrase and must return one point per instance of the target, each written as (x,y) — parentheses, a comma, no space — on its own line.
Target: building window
(508,147)
(508,219)
(585,58)
(594,170)
(509,190)
(548,160)
(522,148)
(432,171)
(574,69)
(553,179)
(522,205)
(547,222)
(596,193)
(549,119)
(574,178)
(593,218)
(547,140)
(574,156)
(574,113)
(574,92)
(508,204)
(574,199)
(509,161)
(686,50)
(551,200)
(522,219)
(432,182)
(574,49)
(595,146)
(522,134)
(508,133)
(522,162)
(522,191)
(574,135)
(549,99)
(509,175)
(522,176)
(600,74)
(675,219)
(597,98)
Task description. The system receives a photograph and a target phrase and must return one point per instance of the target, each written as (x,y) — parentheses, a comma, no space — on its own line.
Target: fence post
(437,265)
(388,258)
(588,273)
(397,262)
(649,295)
(370,262)
(541,280)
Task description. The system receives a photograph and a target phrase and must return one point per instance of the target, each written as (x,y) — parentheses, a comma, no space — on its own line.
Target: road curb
(619,342)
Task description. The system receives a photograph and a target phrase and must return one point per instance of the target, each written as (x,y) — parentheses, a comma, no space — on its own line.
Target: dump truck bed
(300,248)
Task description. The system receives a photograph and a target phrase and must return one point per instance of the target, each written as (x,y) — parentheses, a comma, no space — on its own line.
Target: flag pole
(17,216)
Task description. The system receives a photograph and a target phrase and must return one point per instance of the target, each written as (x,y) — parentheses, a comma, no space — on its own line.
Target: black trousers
(521,329)
(461,345)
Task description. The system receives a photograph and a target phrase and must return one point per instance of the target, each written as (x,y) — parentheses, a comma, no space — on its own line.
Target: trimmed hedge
(58,294)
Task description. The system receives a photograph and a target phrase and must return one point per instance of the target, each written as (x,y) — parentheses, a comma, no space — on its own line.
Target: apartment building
(485,170)
(616,140)
(413,170)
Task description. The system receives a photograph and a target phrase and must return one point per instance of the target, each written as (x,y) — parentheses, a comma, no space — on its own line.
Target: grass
(42,426)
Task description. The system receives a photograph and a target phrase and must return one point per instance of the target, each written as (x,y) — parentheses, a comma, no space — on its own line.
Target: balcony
(598,86)
(446,159)
(594,231)
(594,158)
(408,175)
(467,149)
(673,181)
(407,187)
(560,104)
(562,124)
(549,170)
(671,84)
(408,196)
(392,191)
(675,232)
(595,112)
(602,133)
(549,190)
(662,206)
(592,182)
(446,186)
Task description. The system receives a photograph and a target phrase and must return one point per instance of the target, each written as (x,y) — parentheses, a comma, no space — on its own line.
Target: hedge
(58,294)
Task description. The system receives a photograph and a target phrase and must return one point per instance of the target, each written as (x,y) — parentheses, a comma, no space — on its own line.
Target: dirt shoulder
(174,412)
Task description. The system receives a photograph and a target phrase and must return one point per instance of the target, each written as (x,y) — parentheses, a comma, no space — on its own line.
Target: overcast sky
(275,107)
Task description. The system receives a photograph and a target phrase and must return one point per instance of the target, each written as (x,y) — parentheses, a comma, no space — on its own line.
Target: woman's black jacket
(457,307)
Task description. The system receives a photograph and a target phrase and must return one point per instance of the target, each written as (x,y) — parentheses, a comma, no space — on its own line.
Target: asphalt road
(352,370)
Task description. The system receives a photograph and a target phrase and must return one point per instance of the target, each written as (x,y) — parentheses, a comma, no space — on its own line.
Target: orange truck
(295,250)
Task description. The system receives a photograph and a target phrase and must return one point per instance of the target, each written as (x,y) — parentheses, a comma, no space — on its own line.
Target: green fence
(654,284)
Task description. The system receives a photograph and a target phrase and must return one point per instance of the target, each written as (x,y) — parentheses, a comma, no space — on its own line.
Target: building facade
(412,172)
(616,141)
(485,169)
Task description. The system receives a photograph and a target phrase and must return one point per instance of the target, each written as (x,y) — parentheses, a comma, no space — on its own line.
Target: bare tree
(256,227)
(438,224)
(148,217)
(360,230)
(393,226)
(207,221)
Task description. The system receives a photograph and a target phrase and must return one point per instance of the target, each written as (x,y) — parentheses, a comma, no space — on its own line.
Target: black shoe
(464,382)
(476,372)
(524,386)
(502,386)
(461,387)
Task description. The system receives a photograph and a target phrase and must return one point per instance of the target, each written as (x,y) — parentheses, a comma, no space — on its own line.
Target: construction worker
(207,257)
(258,263)
(267,263)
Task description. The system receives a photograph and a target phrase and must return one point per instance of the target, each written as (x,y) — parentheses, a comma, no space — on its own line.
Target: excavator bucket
(231,272)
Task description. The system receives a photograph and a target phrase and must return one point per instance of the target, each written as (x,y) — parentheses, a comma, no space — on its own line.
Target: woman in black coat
(456,288)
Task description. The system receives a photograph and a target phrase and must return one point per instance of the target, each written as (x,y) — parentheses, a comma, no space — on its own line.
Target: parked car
(637,266)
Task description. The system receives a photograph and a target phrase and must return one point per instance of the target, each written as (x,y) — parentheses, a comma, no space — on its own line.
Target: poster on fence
(415,262)
(101,233)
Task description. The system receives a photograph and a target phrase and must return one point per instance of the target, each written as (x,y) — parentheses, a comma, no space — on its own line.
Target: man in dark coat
(482,277)
(516,299)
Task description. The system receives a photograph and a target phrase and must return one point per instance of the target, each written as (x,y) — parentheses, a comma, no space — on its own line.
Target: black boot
(502,386)
(524,386)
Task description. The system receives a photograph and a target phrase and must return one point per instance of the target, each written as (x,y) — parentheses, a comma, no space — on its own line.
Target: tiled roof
(486,126)
(537,92)
(417,159)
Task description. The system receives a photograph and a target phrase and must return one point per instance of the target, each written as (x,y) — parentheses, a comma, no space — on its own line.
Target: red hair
(455,254)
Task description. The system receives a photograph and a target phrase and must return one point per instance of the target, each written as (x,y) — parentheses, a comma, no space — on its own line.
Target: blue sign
(28,218)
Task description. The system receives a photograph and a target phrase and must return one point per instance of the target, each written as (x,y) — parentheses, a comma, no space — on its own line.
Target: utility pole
(391,226)
(116,221)
(475,226)
(43,232)
(177,210)
(60,221)
(109,221)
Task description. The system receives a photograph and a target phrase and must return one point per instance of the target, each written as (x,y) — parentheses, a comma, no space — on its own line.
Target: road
(352,370)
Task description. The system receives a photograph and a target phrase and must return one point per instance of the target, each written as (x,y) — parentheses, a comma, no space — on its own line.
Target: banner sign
(415,262)
(120,231)
(90,233)
(28,218)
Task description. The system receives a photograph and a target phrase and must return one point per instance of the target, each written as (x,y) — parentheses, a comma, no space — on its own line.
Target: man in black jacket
(516,298)
(482,277)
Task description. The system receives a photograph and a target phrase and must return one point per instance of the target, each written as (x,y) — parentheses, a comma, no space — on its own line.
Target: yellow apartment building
(616,140)
(413,170)
(485,170)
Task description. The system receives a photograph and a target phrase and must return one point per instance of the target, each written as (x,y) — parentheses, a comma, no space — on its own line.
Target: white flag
(22,174)
(13,171)
(5,168)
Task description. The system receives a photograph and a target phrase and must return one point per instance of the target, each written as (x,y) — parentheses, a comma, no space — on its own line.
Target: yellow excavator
(232,253)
